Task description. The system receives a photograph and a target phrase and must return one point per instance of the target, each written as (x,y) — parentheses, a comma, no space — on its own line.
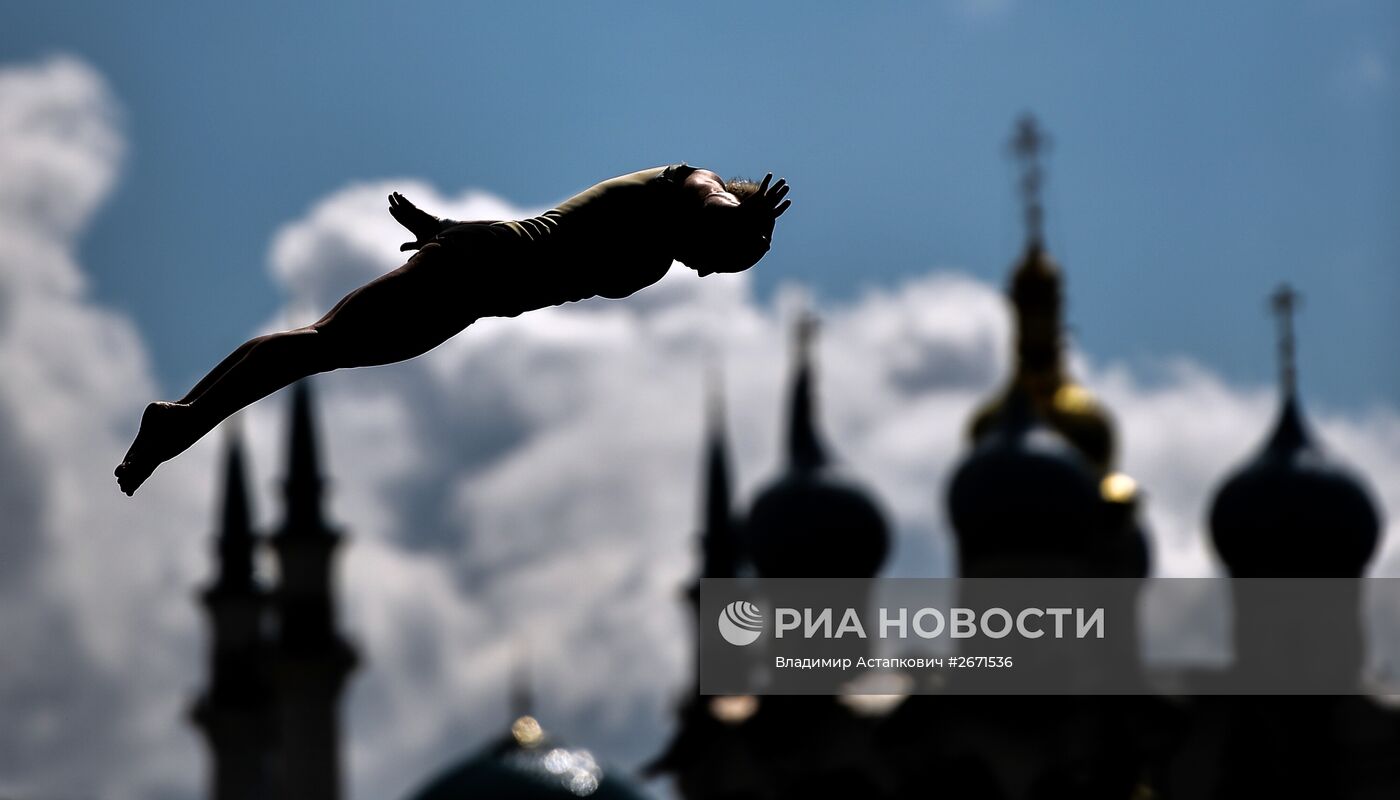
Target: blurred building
(278,665)
(1037,494)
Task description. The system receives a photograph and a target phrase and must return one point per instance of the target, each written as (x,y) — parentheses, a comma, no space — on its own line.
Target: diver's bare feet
(165,433)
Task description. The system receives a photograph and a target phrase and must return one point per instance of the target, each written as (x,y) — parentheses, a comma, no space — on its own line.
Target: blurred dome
(817,524)
(1024,492)
(526,765)
(1038,495)
(814,521)
(1292,511)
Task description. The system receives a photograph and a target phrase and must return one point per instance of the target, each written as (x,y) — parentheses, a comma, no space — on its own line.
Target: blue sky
(490,488)
(1202,153)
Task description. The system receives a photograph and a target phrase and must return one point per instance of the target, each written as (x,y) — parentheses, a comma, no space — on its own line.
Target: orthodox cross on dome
(1284,302)
(1028,145)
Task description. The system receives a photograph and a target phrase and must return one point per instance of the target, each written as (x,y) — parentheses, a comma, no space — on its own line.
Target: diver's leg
(258,367)
(236,356)
(394,318)
(218,371)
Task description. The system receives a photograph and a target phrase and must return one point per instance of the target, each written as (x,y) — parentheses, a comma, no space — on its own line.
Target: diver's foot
(164,434)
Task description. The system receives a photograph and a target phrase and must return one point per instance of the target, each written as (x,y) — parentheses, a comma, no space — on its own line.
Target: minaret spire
(805,450)
(1285,301)
(312,661)
(304,485)
(235,545)
(234,711)
(1028,144)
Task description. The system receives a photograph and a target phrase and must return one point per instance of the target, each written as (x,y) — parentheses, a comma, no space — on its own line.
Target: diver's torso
(612,239)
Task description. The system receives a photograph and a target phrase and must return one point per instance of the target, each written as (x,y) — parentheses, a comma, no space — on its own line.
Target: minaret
(312,660)
(234,712)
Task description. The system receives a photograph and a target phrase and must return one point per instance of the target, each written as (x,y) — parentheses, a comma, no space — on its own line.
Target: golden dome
(1067,407)
(1039,490)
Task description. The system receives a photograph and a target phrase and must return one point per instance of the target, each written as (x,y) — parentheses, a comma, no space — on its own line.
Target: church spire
(1028,144)
(1036,291)
(1285,302)
(1291,432)
(1037,288)
(805,450)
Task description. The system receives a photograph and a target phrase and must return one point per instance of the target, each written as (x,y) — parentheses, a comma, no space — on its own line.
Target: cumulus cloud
(527,488)
(547,463)
(96,643)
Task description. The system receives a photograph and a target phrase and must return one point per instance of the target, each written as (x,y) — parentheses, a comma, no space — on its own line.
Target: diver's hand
(421,224)
(763,207)
(768,203)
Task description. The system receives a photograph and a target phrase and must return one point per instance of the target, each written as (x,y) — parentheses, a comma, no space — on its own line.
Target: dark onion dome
(814,521)
(526,765)
(1293,511)
(1025,493)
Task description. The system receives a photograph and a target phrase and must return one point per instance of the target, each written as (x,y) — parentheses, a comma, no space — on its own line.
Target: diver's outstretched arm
(420,223)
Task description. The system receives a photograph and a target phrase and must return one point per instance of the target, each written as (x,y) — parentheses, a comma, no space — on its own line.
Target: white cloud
(98,647)
(548,461)
(529,485)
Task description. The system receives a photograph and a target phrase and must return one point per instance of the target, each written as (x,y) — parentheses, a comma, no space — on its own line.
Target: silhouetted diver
(611,240)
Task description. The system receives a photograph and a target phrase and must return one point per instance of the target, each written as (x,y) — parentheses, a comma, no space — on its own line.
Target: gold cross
(1028,144)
